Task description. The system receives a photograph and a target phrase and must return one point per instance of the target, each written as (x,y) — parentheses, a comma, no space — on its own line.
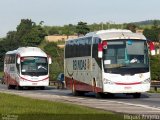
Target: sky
(62,12)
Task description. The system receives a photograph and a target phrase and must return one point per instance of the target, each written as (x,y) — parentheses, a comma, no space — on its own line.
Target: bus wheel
(99,95)
(19,88)
(137,95)
(109,95)
(9,86)
(42,87)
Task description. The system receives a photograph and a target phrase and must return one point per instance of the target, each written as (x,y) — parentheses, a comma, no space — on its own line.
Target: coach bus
(26,67)
(108,61)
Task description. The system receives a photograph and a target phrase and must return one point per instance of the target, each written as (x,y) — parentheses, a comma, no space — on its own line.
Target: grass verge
(21,108)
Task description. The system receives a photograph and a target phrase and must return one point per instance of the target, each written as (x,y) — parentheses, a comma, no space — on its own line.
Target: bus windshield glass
(126,57)
(34,66)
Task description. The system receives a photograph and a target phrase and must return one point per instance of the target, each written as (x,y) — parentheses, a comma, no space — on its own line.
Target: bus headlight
(106,81)
(146,81)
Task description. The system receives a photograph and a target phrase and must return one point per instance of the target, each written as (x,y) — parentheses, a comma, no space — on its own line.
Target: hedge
(155,67)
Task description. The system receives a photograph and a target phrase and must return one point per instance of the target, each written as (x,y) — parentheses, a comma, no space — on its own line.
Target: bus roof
(116,34)
(28,51)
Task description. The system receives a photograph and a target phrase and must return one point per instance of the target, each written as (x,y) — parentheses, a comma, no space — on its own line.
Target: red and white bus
(26,67)
(108,61)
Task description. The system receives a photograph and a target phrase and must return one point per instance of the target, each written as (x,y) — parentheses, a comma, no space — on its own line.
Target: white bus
(26,67)
(108,61)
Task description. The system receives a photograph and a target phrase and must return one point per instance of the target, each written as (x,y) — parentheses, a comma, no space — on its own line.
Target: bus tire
(109,95)
(9,86)
(80,93)
(42,87)
(99,95)
(137,95)
(19,88)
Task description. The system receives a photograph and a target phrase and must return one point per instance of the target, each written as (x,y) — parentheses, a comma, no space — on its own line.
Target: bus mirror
(50,60)
(100,48)
(152,48)
(18,60)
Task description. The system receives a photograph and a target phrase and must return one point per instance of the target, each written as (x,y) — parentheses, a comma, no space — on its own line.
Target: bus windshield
(126,56)
(34,66)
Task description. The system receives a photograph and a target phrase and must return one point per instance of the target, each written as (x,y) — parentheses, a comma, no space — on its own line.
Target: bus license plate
(34,83)
(128,87)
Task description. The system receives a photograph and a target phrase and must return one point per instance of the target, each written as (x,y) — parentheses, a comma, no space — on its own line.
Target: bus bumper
(34,84)
(126,88)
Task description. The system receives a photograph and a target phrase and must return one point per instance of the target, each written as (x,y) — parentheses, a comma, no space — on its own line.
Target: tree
(155,24)
(53,31)
(155,67)
(131,27)
(57,56)
(11,42)
(2,53)
(27,34)
(153,33)
(30,34)
(68,30)
(82,28)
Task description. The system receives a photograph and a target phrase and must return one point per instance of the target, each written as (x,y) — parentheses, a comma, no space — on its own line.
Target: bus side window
(17,65)
(77,48)
(5,60)
(89,42)
(86,50)
(96,41)
(12,58)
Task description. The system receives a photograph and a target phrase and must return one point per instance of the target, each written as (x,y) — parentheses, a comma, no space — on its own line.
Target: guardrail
(58,84)
(155,85)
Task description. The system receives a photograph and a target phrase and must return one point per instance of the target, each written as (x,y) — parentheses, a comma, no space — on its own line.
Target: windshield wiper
(116,65)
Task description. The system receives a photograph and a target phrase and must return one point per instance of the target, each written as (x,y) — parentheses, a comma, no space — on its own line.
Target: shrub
(155,67)
(57,59)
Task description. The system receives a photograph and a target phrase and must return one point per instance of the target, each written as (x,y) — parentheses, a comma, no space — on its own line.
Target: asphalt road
(148,103)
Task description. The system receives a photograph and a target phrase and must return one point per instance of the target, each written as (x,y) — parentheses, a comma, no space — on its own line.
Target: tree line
(28,33)
(151,28)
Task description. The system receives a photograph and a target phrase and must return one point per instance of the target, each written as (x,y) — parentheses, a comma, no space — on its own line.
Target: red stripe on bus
(34,81)
(81,86)
(135,83)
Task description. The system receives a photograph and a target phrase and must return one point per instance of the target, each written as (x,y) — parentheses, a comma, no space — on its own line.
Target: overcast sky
(60,12)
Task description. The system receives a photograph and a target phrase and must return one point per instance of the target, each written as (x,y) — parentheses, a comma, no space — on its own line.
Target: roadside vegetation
(155,67)
(1,74)
(57,56)
(33,109)
(29,33)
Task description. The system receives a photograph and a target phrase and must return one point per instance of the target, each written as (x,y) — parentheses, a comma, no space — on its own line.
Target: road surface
(148,104)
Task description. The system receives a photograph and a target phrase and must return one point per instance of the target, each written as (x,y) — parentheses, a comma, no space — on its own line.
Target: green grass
(33,109)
